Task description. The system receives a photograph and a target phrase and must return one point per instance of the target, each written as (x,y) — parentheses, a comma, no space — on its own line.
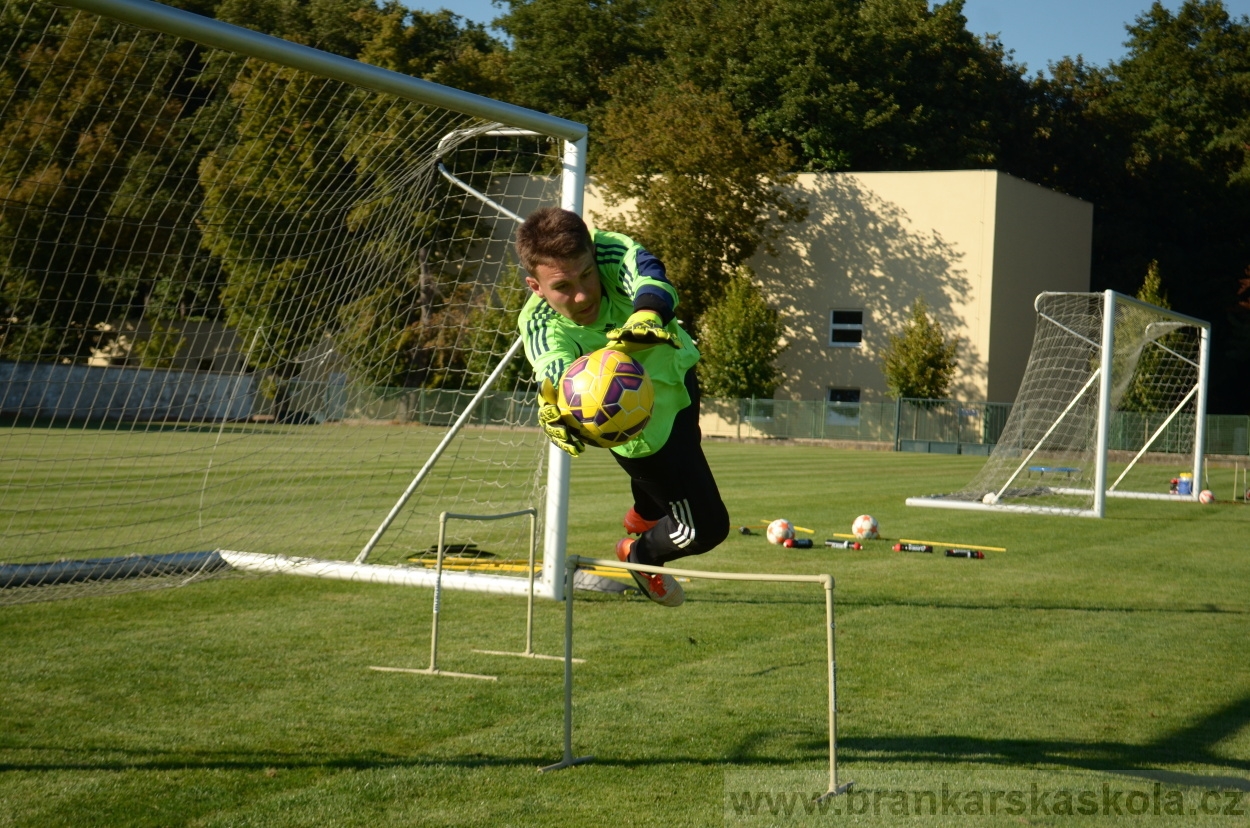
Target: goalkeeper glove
(641,330)
(553,425)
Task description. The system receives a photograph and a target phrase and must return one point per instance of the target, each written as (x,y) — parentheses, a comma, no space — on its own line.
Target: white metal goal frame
(1103,378)
(509,120)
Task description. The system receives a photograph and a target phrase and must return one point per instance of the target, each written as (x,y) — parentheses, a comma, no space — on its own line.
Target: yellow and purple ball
(607,396)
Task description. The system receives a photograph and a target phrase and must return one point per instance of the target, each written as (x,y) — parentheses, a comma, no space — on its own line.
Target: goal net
(1112,403)
(249,291)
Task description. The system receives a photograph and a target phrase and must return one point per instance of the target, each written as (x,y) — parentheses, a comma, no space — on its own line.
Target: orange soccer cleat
(663,589)
(636,524)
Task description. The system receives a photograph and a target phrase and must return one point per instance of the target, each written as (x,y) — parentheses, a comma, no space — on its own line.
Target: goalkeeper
(593,289)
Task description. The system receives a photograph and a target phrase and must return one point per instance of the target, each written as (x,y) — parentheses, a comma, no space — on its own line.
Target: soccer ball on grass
(864,527)
(607,397)
(780,531)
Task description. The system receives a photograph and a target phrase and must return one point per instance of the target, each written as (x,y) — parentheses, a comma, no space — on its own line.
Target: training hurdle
(570,566)
(433,669)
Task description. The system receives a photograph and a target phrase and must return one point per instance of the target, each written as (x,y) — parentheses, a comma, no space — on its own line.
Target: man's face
(571,288)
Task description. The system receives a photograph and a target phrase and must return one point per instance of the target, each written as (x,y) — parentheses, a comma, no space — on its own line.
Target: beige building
(978,245)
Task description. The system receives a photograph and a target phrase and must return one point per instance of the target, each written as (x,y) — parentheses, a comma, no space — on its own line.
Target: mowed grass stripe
(310,491)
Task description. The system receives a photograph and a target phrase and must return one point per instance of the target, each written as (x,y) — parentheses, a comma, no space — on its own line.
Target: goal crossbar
(221,35)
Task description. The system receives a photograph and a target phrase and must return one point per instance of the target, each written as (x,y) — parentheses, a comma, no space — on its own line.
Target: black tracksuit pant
(675,486)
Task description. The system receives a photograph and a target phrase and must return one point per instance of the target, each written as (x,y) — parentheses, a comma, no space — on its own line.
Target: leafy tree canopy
(705,192)
(920,362)
(853,84)
(1160,144)
(740,339)
(564,52)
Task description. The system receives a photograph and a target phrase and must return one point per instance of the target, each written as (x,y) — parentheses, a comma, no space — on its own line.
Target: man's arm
(549,355)
(648,284)
(654,299)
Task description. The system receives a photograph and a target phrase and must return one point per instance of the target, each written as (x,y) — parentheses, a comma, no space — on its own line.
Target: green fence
(941,426)
(328,401)
(949,426)
(798,419)
(1227,434)
(938,426)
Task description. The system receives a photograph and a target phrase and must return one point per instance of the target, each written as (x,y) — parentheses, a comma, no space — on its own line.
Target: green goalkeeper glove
(641,330)
(553,425)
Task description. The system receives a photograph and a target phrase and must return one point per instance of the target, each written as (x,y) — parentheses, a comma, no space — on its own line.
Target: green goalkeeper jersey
(553,342)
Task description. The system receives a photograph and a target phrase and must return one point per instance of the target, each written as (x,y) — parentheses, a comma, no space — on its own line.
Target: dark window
(843,407)
(846,328)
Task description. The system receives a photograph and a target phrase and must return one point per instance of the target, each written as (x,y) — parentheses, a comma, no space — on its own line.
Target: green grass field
(1089,651)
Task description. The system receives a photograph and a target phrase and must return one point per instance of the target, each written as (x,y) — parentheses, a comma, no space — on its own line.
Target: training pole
(826,581)
(568,760)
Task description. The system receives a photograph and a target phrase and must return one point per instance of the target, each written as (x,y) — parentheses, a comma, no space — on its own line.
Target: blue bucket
(1185,484)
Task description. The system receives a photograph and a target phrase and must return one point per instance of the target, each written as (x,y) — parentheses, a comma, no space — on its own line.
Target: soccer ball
(780,531)
(864,527)
(990,498)
(1206,496)
(607,396)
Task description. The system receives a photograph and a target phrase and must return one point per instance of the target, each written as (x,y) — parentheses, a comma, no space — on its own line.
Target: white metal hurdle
(573,561)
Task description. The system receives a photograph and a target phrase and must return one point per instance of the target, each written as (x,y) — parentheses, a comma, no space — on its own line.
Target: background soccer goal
(1112,403)
(250,290)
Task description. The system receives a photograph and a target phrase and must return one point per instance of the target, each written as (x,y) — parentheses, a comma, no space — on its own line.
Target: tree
(437,46)
(99,194)
(854,84)
(740,340)
(565,51)
(1146,393)
(705,192)
(1160,143)
(1151,289)
(920,362)
(329,171)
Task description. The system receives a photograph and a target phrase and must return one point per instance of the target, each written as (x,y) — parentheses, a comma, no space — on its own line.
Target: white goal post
(1112,404)
(259,312)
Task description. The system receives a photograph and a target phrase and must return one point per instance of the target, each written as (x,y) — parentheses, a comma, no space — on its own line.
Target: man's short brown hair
(550,235)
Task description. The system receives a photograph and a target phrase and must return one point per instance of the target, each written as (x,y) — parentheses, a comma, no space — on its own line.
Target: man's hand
(641,330)
(565,438)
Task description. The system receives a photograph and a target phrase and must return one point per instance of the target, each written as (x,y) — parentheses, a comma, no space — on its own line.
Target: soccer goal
(260,312)
(1112,404)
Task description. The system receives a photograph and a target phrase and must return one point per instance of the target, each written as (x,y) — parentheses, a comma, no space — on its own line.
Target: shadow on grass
(120,759)
(872,603)
(1191,745)
(1206,609)
(115,759)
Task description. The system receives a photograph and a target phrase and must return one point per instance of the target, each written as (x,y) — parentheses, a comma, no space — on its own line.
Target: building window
(846,328)
(842,408)
(756,411)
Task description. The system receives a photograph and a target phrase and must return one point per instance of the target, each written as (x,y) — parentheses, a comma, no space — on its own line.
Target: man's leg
(645,512)
(678,479)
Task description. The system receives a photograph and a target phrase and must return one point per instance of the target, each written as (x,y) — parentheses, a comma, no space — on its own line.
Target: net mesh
(1047,455)
(241,305)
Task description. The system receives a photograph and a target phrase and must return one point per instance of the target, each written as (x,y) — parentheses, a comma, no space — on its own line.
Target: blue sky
(1038,30)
